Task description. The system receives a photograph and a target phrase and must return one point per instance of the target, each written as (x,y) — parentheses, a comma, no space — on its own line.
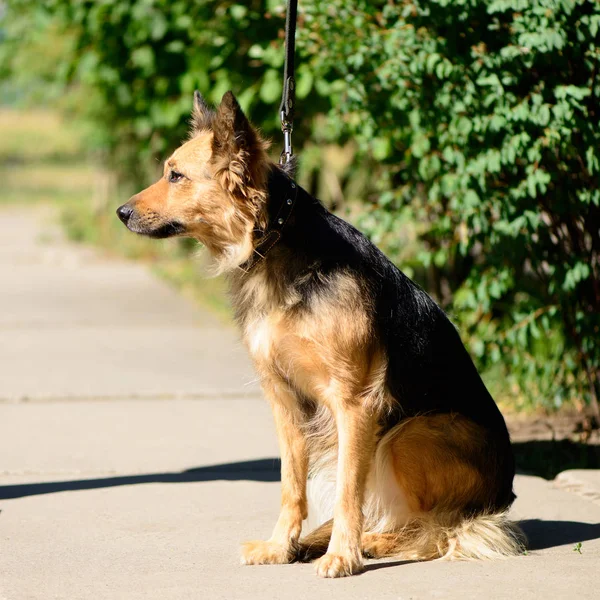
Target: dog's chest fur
(319,345)
(269,331)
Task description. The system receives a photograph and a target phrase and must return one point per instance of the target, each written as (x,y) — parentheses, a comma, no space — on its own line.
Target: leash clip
(287,128)
(288,97)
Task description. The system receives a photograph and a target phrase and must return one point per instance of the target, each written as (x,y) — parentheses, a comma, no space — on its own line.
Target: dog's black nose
(124,212)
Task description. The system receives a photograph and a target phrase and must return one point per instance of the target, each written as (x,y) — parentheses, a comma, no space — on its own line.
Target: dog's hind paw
(266,553)
(336,565)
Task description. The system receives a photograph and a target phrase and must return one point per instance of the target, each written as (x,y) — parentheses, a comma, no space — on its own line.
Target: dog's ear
(231,129)
(238,151)
(202,115)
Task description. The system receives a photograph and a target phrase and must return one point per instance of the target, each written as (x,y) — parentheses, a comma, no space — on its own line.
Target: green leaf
(270,90)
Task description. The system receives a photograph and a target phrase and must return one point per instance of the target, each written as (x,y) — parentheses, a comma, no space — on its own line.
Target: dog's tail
(314,545)
(446,536)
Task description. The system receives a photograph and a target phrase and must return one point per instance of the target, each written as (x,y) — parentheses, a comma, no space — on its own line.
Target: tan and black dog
(376,401)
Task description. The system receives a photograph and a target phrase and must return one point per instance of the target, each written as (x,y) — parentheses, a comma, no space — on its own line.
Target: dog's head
(213,186)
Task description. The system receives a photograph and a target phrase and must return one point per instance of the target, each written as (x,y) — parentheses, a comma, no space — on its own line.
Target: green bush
(476,121)
(484,116)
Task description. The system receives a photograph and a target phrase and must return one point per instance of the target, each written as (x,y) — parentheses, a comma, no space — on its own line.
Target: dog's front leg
(356,443)
(281,546)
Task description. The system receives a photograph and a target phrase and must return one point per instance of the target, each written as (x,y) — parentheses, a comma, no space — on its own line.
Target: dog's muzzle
(134,223)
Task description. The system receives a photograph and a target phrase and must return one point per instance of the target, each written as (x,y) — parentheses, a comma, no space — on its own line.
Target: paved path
(77,325)
(136,454)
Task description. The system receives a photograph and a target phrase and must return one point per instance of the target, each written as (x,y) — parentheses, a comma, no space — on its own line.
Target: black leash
(288,98)
(280,185)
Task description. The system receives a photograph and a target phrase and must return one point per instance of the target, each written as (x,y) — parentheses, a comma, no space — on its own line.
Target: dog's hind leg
(374,545)
(380,545)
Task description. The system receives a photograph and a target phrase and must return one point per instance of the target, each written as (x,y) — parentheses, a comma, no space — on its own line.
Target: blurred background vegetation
(461,135)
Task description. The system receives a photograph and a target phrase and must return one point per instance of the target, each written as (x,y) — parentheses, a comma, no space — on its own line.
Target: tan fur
(325,358)
(324,355)
(437,463)
(356,444)
(440,465)
(450,537)
(433,460)
(220,200)
(281,547)
(323,369)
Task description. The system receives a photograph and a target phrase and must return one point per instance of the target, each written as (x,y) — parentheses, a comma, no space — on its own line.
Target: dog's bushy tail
(483,536)
(446,536)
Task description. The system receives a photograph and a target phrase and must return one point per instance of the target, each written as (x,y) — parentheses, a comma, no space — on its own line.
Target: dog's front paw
(338,565)
(266,553)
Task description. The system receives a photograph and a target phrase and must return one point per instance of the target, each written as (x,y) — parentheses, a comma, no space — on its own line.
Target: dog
(376,401)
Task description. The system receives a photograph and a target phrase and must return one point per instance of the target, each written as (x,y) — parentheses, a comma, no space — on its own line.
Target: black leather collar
(283,192)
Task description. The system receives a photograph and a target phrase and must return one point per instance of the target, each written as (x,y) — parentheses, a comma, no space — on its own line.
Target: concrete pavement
(75,324)
(136,454)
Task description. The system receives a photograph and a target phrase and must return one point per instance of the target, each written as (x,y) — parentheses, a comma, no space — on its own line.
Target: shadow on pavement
(384,565)
(547,458)
(265,469)
(548,534)
(541,534)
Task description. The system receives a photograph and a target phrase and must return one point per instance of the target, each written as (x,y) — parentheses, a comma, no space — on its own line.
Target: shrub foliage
(484,119)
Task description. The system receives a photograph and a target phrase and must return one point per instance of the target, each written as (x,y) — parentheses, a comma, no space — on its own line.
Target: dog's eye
(175,176)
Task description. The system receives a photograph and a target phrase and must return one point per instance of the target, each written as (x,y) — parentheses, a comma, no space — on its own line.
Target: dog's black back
(429,369)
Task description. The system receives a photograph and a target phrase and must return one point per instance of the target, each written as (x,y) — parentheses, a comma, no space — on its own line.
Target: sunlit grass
(34,136)
(27,183)
(42,159)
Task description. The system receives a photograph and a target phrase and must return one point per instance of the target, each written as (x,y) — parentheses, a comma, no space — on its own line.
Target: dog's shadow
(549,534)
(265,469)
(541,534)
